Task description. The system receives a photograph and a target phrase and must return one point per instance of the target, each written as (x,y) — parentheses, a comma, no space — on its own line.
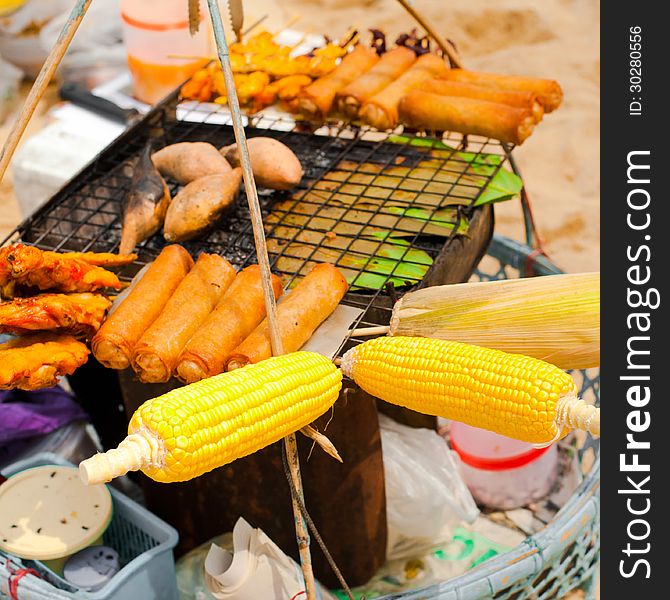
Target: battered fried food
(37,361)
(76,314)
(24,267)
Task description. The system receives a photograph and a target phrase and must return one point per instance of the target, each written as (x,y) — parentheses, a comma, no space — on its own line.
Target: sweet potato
(188,161)
(200,204)
(274,165)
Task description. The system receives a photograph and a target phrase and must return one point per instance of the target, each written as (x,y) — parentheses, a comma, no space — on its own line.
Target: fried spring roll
(390,66)
(238,313)
(156,353)
(425,110)
(317,98)
(381,111)
(445,87)
(299,314)
(548,91)
(113,344)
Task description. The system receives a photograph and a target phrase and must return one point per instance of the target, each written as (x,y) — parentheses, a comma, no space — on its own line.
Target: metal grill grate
(367,202)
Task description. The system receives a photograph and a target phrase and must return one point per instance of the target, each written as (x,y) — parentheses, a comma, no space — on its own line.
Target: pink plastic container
(501,472)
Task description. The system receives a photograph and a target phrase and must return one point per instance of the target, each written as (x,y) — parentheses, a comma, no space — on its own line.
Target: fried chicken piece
(97,259)
(37,361)
(76,314)
(24,266)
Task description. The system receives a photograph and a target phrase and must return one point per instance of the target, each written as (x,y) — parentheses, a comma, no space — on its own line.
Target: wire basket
(565,554)
(143,541)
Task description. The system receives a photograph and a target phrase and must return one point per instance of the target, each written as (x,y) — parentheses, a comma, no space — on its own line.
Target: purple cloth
(29,414)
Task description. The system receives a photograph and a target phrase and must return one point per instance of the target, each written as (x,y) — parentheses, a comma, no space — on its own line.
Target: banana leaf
(504,185)
(366,262)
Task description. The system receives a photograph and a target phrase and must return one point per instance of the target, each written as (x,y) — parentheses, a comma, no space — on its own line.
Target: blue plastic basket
(565,554)
(144,543)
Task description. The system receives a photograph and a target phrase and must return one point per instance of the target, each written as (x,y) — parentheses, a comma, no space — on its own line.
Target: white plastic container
(501,472)
(153,30)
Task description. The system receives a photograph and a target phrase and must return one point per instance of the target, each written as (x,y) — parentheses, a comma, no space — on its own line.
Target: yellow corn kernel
(194,429)
(513,395)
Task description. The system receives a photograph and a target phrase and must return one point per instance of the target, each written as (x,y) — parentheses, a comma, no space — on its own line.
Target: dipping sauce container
(152,31)
(47,514)
(501,472)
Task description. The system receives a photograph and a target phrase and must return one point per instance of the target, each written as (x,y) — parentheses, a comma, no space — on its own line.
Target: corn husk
(555,318)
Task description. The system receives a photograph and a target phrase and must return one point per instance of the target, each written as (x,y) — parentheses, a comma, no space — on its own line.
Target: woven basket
(565,554)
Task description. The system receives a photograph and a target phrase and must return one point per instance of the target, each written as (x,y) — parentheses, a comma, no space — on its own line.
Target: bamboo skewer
(37,91)
(290,444)
(446,47)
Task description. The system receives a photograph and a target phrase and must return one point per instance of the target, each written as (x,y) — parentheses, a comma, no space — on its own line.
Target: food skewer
(290,444)
(37,91)
(446,47)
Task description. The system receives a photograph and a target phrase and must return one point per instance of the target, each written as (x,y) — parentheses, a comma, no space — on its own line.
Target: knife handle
(79,95)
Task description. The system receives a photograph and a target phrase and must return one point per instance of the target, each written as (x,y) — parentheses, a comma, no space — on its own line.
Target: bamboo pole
(290,444)
(37,91)
(447,48)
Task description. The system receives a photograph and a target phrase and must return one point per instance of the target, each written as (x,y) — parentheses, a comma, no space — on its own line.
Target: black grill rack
(341,163)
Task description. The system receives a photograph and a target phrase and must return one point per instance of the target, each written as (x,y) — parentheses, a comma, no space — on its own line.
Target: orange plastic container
(153,30)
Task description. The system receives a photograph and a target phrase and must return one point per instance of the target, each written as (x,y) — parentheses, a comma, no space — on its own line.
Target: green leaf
(505,185)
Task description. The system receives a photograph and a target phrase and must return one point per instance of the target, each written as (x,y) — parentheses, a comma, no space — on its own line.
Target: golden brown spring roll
(317,98)
(390,66)
(548,91)
(240,311)
(156,353)
(446,87)
(425,110)
(113,344)
(381,111)
(299,314)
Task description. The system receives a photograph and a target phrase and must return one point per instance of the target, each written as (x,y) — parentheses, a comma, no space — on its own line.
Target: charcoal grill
(341,163)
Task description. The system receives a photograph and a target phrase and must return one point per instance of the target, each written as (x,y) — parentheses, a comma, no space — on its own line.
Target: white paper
(330,334)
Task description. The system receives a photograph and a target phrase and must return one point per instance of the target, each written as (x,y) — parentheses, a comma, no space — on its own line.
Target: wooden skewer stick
(290,443)
(365,331)
(37,91)
(447,48)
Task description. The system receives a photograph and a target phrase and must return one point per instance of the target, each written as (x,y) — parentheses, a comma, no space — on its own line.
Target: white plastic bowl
(501,472)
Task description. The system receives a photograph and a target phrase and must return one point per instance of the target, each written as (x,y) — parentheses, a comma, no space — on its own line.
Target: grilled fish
(146,204)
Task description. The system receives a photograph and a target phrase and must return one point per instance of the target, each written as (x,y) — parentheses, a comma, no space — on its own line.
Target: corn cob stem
(137,451)
(573,412)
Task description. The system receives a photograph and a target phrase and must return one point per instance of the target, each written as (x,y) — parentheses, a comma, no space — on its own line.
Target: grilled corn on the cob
(192,430)
(510,394)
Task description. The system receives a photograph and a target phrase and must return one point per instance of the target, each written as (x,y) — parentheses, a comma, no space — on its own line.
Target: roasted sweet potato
(188,161)
(274,165)
(200,204)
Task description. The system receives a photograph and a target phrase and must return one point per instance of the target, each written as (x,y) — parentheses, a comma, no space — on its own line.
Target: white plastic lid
(48,513)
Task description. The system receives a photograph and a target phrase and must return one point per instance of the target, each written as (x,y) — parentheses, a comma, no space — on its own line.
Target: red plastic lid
(498,464)
(156,15)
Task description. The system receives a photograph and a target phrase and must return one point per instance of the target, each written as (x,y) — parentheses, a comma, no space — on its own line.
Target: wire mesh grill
(379,206)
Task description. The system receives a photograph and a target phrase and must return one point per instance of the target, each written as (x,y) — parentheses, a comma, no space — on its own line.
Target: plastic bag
(425,495)
(96,44)
(10,77)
